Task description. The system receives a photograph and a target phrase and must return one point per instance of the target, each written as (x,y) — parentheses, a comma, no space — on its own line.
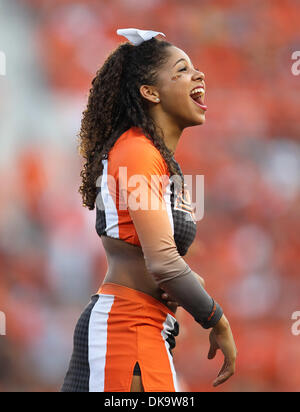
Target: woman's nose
(199,75)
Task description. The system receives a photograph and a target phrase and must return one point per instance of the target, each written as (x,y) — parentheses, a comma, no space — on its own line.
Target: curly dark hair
(115,104)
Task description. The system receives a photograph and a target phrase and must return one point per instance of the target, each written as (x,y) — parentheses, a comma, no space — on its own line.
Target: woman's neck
(171,130)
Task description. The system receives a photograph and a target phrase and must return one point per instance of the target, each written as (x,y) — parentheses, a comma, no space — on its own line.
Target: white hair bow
(137,36)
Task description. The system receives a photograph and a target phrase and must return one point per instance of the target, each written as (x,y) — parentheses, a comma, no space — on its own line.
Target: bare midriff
(126,267)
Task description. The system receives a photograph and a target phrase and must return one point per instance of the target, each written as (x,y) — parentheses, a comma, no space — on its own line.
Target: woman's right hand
(221,338)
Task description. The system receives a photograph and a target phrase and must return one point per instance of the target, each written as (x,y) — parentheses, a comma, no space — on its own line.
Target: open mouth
(197,96)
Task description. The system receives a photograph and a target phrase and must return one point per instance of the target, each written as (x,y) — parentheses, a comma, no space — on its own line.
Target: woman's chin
(202,118)
(198,120)
(198,114)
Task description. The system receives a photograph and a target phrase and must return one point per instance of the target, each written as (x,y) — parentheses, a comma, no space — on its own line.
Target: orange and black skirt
(120,333)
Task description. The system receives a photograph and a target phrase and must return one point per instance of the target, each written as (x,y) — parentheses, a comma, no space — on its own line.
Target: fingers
(223,377)
(212,352)
(225,373)
(166,297)
(213,346)
(171,303)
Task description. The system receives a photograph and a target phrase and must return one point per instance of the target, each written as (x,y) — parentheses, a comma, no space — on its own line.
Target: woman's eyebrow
(179,61)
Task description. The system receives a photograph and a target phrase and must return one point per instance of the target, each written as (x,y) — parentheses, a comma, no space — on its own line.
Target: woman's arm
(171,302)
(142,190)
(171,273)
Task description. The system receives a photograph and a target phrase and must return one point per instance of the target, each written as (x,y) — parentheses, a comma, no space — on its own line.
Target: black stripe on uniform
(100,214)
(78,375)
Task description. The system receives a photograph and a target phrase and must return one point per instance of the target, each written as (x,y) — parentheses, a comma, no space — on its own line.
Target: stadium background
(248,244)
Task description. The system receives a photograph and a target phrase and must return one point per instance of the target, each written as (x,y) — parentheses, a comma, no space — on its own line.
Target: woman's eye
(181,70)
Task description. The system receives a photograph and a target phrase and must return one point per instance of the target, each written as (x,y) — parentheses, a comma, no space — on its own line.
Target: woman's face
(176,80)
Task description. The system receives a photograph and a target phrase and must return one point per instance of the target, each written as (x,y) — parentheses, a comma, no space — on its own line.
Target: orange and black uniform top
(135,159)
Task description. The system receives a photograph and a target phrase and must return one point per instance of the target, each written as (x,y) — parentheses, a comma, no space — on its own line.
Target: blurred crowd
(248,243)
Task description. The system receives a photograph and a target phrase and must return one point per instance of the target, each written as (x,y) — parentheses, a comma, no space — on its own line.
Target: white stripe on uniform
(167,198)
(168,326)
(111,213)
(98,341)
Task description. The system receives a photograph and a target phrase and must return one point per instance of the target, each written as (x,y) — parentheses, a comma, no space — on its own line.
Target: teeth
(198,90)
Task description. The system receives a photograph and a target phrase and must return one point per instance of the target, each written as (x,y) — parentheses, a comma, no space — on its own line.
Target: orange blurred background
(248,243)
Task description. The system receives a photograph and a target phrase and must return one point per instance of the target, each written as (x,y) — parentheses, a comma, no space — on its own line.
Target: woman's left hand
(172,304)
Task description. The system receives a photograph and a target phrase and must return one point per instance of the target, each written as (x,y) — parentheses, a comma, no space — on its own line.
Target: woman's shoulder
(134,149)
(134,138)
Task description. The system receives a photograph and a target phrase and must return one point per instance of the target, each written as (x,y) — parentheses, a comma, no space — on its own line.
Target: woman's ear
(150,93)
